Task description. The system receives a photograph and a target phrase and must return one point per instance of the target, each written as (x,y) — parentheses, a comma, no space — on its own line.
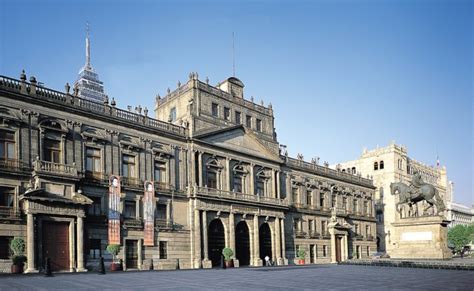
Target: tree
(459,236)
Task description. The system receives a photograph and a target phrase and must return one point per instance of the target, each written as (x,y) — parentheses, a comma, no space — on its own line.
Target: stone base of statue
(424,237)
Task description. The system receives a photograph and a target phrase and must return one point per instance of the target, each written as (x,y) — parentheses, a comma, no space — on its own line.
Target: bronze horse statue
(426,192)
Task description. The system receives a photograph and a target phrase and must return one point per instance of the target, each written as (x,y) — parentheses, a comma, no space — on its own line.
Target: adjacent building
(460,214)
(212,160)
(387,165)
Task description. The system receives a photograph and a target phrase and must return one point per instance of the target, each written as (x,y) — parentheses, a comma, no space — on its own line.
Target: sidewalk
(465,264)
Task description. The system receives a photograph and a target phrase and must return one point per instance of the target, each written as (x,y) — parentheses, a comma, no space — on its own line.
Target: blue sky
(341,75)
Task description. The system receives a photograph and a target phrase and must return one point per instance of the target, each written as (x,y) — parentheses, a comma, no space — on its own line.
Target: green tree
(459,236)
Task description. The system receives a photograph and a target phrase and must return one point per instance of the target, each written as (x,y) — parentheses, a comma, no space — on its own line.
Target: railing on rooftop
(326,171)
(35,90)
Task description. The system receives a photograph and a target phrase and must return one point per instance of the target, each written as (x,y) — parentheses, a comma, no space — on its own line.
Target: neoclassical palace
(219,178)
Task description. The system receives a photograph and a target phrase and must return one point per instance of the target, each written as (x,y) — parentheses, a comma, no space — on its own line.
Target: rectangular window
(173,114)
(368,251)
(294,195)
(160,211)
(95,250)
(311,225)
(237,183)
(130,209)
(358,252)
(260,187)
(163,250)
(226,113)
(366,207)
(93,161)
(259,125)
(94,209)
(309,197)
(296,224)
(159,172)
(354,205)
(211,179)
(248,121)
(321,200)
(238,117)
(367,231)
(325,251)
(215,110)
(344,203)
(5,247)
(52,150)
(7,196)
(356,229)
(128,166)
(7,145)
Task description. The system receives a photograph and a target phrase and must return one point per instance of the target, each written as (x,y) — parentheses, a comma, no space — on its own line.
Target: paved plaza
(321,277)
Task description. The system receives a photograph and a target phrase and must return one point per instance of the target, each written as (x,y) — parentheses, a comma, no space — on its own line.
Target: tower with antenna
(88,83)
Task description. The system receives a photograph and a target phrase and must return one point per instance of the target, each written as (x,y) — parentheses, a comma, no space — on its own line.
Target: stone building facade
(460,214)
(387,165)
(219,179)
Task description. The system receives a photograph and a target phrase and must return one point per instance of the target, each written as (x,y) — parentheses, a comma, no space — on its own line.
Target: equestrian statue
(417,191)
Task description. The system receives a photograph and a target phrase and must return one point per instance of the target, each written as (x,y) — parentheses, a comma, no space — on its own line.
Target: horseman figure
(417,191)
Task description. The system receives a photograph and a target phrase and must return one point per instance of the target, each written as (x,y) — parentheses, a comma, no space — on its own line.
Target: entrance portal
(56,245)
(265,238)
(131,254)
(216,239)
(338,248)
(242,243)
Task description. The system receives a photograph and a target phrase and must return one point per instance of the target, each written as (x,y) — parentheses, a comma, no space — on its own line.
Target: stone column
(192,168)
(289,194)
(278,190)
(256,241)
(30,243)
(252,180)
(168,211)
(204,235)
(200,172)
(278,241)
(227,175)
(333,246)
(231,232)
(272,192)
(283,241)
(137,206)
(197,239)
(80,245)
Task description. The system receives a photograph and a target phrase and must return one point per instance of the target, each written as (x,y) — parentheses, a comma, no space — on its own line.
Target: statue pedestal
(420,238)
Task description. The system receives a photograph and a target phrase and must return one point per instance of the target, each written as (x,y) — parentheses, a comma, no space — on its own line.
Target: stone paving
(320,277)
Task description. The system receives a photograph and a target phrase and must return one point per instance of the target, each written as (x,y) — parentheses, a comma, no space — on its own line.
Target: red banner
(149,214)
(114,210)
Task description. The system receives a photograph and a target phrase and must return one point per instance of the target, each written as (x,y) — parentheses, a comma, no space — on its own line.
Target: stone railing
(325,234)
(55,168)
(326,171)
(63,99)
(161,223)
(370,238)
(132,222)
(9,212)
(131,182)
(313,234)
(162,186)
(14,165)
(358,237)
(96,177)
(300,234)
(205,191)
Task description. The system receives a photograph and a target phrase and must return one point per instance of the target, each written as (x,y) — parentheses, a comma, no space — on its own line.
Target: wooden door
(56,245)
(338,248)
(131,254)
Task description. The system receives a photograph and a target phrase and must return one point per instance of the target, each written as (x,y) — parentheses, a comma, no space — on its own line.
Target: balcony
(132,182)
(131,222)
(50,168)
(163,187)
(161,223)
(13,165)
(300,205)
(9,212)
(96,177)
(300,234)
(313,234)
(223,194)
(326,235)
(370,237)
(358,237)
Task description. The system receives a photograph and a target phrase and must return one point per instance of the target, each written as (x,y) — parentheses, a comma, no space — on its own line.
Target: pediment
(241,140)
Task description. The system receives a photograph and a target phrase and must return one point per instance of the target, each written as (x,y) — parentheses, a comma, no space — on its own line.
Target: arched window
(376,166)
(354,170)
(381,165)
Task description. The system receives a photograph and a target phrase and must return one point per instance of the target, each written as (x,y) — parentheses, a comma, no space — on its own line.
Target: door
(338,248)
(131,254)
(56,245)
(311,254)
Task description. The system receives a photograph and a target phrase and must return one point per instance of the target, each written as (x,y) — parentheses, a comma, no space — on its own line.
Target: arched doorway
(242,243)
(216,239)
(265,239)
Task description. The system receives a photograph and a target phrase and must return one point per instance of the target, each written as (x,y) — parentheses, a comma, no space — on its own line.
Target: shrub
(113,250)
(228,253)
(18,260)
(17,246)
(301,254)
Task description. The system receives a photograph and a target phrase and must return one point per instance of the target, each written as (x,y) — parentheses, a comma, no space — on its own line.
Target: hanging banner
(149,214)
(114,210)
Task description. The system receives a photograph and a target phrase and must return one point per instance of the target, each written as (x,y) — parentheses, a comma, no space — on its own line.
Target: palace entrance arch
(242,243)
(216,239)
(265,239)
